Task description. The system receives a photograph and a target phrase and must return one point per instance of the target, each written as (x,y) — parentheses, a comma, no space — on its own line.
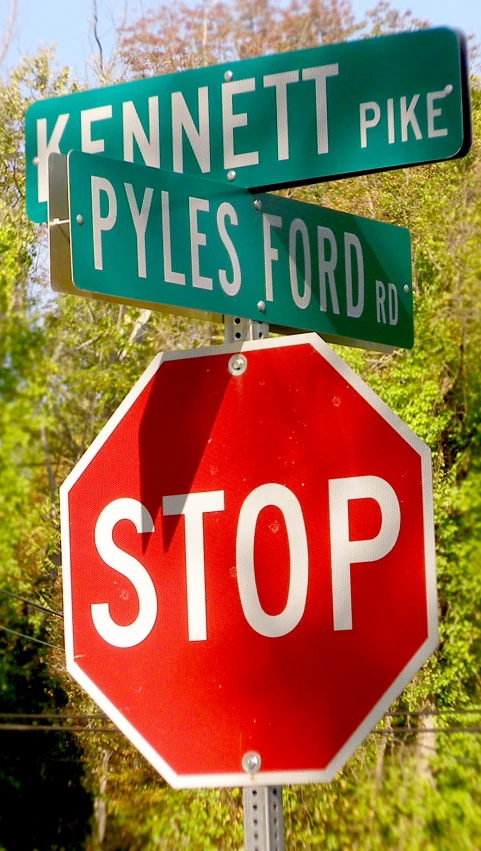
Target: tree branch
(8,31)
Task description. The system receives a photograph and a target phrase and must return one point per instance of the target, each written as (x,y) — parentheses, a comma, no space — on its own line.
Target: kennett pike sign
(151,236)
(291,118)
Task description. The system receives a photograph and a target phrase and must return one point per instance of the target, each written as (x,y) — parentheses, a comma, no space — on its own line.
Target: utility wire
(80,729)
(420,712)
(30,637)
(93,715)
(51,715)
(420,731)
(31,603)
(20,728)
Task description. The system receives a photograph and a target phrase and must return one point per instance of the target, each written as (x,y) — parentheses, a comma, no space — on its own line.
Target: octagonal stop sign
(248,558)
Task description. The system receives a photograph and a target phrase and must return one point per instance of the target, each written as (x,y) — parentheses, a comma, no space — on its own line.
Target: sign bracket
(237,329)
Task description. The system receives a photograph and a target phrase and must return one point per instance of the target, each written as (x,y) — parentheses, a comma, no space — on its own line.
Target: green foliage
(36,768)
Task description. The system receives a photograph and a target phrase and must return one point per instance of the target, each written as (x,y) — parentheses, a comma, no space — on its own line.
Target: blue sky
(68,23)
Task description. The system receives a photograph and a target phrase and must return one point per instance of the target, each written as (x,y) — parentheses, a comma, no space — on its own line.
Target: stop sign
(248,557)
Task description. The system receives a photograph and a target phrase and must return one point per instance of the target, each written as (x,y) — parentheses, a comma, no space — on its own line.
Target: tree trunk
(100,804)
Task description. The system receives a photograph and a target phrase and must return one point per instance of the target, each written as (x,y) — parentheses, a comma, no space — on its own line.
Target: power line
(54,715)
(30,637)
(31,603)
(97,716)
(80,729)
(420,712)
(44,728)
(421,730)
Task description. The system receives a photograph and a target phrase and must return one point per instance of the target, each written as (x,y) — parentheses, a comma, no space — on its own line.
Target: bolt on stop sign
(248,554)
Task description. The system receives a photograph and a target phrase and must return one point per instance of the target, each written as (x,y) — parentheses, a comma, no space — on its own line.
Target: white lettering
(46,147)
(140,219)
(270,253)
(87,118)
(231,120)
(434,113)
(319,74)
(326,267)
(380,299)
(272,626)
(281,81)
(365,122)
(199,138)
(298,226)
(197,205)
(170,277)
(132,129)
(393,304)
(391,130)
(345,552)
(408,117)
(352,241)
(101,223)
(128,566)
(193,506)
(226,210)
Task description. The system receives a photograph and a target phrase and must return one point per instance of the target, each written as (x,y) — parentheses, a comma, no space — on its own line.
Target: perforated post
(237,329)
(263,814)
(263,818)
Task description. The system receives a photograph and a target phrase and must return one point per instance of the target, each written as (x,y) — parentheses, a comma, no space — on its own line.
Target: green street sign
(282,120)
(150,236)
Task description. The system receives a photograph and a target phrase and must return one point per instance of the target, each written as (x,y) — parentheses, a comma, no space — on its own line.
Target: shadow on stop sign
(248,553)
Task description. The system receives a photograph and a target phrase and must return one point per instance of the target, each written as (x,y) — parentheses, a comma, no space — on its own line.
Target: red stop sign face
(249,563)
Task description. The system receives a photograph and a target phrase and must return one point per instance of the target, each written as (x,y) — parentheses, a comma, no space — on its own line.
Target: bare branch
(96,36)
(51,478)
(138,332)
(8,30)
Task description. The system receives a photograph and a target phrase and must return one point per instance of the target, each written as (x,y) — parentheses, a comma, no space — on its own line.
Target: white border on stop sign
(263,778)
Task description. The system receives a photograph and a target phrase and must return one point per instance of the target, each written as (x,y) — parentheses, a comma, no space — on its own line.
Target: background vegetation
(65,364)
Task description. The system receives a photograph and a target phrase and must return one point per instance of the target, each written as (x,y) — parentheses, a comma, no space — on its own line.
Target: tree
(33,770)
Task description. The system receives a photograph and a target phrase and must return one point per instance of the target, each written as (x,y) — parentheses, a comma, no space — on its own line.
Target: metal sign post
(263,818)
(263,813)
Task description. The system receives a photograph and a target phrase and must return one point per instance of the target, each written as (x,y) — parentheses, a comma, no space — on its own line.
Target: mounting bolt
(406,288)
(79,219)
(258,204)
(251,762)
(35,161)
(231,175)
(237,365)
(261,305)
(448,90)
(228,76)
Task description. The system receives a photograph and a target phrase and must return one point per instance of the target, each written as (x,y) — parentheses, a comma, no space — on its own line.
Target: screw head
(231,175)
(261,305)
(35,161)
(251,762)
(258,204)
(79,219)
(406,288)
(237,365)
(228,76)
